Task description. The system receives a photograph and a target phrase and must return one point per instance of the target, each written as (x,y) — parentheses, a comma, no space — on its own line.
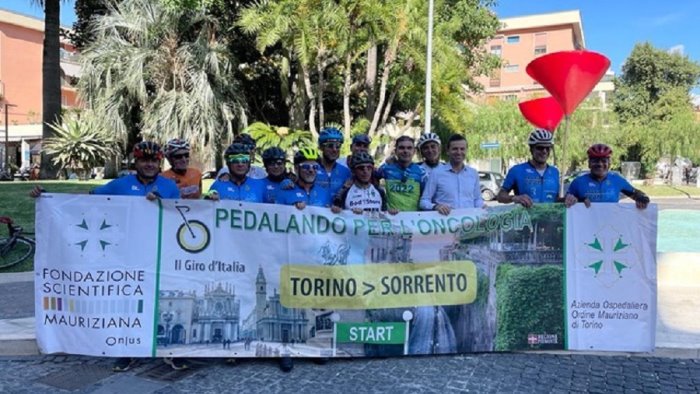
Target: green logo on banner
(375,333)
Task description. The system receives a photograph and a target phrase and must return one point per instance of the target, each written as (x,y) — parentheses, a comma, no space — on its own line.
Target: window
(540,50)
(512,68)
(496,50)
(510,97)
(513,39)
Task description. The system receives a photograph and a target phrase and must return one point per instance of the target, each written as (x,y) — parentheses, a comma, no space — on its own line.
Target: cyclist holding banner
(454,185)
(241,187)
(534,181)
(306,191)
(361,194)
(602,185)
(255,172)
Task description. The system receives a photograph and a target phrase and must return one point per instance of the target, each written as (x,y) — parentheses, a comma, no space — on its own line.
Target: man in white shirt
(455,185)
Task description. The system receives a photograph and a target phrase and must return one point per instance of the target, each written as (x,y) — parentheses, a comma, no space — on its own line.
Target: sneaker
(177,364)
(123,364)
(286,364)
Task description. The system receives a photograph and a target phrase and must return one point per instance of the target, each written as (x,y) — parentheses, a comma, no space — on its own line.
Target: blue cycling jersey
(317,196)
(606,190)
(334,180)
(272,189)
(251,190)
(130,185)
(403,185)
(524,179)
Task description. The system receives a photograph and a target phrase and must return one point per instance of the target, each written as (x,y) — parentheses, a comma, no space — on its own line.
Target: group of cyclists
(321,178)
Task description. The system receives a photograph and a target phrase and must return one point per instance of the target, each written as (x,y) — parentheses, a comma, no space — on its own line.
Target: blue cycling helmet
(330,134)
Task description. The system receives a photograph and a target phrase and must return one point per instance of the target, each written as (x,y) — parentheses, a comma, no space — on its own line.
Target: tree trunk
(346,96)
(389,57)
(312,102)
(371,80)
(51,79)
(319,95)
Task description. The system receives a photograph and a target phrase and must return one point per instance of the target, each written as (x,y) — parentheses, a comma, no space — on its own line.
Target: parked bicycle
(16,247)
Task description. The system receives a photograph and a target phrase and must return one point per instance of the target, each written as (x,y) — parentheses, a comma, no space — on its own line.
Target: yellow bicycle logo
(192,235)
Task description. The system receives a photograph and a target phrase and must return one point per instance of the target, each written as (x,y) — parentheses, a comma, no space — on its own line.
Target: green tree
(162,72)
(80,143)
(379,50)
(652,101)
(648,75)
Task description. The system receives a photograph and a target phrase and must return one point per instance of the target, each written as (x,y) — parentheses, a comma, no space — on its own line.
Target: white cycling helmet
(540,137)
(428,137)
(175,145)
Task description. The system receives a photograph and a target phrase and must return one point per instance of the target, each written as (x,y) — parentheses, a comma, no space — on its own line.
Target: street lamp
(429,68)
(7,136)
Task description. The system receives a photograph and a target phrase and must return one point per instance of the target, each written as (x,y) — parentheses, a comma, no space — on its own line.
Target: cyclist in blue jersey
(602,185)
(403,179)
(360,143)
(534,181)
(429,146)
(306,190)
(145,182)
(275,160)
(241,187)
(255,172)
(331,174)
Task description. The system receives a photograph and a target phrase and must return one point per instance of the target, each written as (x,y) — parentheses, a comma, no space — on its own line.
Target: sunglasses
(275,163)
(545,148)
(308,167)
(598,159)
(364,167)
(181,156)
(238,159)
(332,145)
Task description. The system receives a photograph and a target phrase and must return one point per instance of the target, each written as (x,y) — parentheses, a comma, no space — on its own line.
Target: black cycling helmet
(360,158)
(245,138)
(272,154)
(237,149)
(147,149)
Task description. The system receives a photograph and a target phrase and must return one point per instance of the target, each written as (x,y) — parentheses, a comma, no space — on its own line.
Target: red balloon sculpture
(569,76)
(543,112)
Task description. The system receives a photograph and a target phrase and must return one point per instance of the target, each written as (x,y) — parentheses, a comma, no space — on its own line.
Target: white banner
(122,276)
(611,277)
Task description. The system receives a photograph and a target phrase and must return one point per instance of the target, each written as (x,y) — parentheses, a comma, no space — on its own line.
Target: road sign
(490,145)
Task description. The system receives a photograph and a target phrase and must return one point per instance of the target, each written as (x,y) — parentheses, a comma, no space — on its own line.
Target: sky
(611,27)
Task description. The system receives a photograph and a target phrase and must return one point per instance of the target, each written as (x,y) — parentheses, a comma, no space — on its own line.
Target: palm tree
(162,72)
(80,143)
(51,77)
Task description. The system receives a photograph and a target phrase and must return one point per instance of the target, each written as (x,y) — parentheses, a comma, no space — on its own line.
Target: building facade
(270,321)
(21,54)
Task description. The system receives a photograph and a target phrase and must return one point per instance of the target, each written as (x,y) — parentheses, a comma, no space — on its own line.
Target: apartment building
(522,39)
(21,52)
